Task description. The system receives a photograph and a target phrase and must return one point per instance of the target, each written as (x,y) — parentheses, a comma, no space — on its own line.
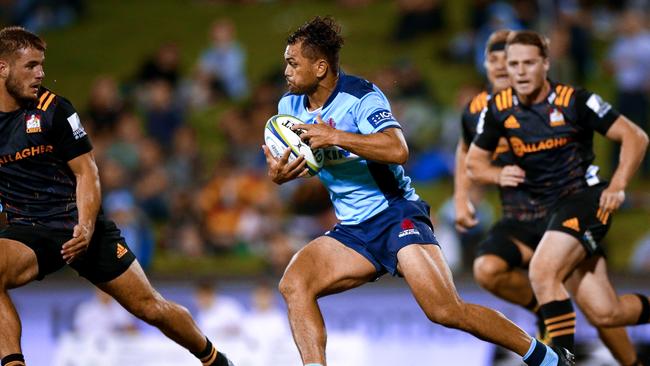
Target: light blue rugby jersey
(359,188)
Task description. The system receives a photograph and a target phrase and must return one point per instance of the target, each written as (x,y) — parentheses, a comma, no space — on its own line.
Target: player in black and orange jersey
(549,127)
(503,257)
(50,197)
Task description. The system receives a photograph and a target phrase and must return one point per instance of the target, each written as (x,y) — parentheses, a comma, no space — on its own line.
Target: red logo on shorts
(407,224)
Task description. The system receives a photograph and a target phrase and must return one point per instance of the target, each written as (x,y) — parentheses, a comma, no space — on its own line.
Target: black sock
(560,321)
(210,357)
(208,354)
(644,317)
(14,359)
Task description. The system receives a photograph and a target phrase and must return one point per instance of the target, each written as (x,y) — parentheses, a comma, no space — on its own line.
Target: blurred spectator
(41,15)
(124,146)
(184,162)
(501,15)
(224,60)
(152,184)
(628,60)
(218,315)
(575,17)
(105,105)
(163,65)
(265,324)
(134,226)
(163,113)
(417,17)
(102,316)
(559,52)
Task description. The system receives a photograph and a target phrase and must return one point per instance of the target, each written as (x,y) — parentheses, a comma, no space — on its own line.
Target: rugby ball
(278,136)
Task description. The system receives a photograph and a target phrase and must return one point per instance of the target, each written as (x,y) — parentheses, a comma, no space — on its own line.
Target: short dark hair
(497,41)
(530,38)
(13,39)
(320,36)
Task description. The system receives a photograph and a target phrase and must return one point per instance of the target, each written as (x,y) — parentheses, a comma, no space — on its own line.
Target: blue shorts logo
(379,117)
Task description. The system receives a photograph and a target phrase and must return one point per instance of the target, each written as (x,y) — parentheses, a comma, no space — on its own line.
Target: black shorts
(576,216)
(500,242)
(107,256)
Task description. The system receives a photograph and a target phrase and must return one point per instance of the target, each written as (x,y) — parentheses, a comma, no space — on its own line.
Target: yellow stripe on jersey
(43,96)
(478,103)
(565,102)
(48,101)
(560,97)
(504,99)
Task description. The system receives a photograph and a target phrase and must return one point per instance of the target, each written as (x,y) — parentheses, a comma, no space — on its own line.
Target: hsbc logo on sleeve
(379,117)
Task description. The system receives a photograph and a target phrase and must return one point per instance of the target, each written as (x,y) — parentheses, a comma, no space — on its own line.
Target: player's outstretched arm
(281,170)
(88,201)
(634,143)
(480,169)
(465,213)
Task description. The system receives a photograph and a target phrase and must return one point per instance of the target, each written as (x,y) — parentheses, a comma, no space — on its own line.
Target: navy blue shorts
(380,237)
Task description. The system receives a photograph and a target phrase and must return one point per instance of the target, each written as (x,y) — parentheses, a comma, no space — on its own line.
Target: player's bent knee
(488,269)
(291,286)
(448,315)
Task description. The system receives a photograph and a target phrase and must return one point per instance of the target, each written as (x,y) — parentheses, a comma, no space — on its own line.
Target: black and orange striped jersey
(37,187)
(515,203)
(552,140)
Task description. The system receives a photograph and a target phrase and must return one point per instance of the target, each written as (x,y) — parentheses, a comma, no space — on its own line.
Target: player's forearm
(387,146)
(88,198)
(479,167)
(462,183)
(633,149)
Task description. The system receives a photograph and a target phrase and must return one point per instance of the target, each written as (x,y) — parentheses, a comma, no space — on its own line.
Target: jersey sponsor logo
(336,155)
(520,148)
(408,228)
(121,251)
(511,122)
(379,117)
(557,118)
(77,129)
(33,123)
(25,153)
(572,224)
(598,105)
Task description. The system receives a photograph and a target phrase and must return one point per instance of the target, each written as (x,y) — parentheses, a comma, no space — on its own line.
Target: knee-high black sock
(14,359)
(210,357)
(560,321)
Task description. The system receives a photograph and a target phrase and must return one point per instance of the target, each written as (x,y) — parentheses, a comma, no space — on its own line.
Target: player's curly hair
(13,39)
(320,37)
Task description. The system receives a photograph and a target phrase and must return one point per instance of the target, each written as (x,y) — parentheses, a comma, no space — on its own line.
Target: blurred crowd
(169,196)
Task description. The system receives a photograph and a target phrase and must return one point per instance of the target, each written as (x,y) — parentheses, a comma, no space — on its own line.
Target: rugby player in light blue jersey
(384,226)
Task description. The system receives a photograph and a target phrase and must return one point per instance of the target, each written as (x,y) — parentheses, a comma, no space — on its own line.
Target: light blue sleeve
(284,106)
(373,114)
